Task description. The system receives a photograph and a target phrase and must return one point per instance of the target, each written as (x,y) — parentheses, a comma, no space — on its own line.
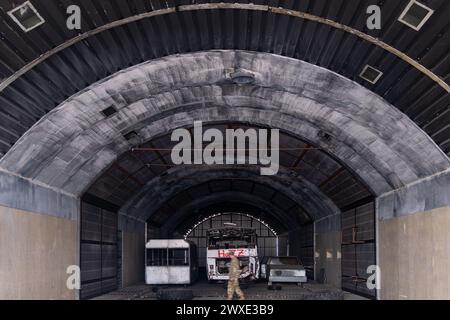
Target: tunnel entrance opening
(267,238)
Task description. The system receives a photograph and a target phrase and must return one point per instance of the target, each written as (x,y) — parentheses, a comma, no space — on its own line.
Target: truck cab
(240,241)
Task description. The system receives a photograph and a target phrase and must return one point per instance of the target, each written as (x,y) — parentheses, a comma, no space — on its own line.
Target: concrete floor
(256,291)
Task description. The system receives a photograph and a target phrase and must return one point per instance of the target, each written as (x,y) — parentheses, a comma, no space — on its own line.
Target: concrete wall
(133,255)
(414,240)
(133,250)
(39,239)
(327,250)
(301,245)
(283,245)
(415,256)
(35,251)
(328,256)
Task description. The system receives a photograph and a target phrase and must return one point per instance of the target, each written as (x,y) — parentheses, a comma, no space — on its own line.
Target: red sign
(226,253)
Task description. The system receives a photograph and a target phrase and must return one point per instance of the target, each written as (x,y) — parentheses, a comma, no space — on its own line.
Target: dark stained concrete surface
(257,291)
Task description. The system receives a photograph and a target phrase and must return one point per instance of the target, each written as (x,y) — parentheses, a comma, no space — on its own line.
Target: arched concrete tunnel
(87,117)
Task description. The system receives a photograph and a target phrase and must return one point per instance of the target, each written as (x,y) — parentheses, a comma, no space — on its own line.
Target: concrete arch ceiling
(141,177)
(148,187)
(189,210)
(72,145)
(301,200)
(42,68)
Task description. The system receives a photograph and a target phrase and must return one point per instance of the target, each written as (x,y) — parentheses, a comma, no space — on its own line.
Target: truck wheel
(175,294)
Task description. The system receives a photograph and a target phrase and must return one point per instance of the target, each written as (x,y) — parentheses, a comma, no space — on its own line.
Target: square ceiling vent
(108,112)
(415,15)
(131,136)
(371,74)
(26,16)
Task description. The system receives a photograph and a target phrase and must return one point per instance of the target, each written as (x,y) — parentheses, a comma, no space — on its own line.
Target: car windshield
(291,261)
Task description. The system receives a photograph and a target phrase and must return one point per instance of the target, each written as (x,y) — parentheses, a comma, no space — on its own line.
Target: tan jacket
(235,268)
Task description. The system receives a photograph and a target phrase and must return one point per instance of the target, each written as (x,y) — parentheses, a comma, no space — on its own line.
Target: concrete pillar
(414,240)
(133,251)
(327,249)
(39,240)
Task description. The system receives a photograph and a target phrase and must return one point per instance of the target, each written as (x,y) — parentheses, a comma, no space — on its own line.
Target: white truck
(240,241)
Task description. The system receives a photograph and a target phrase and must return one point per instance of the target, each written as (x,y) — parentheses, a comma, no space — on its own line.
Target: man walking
(233,282)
